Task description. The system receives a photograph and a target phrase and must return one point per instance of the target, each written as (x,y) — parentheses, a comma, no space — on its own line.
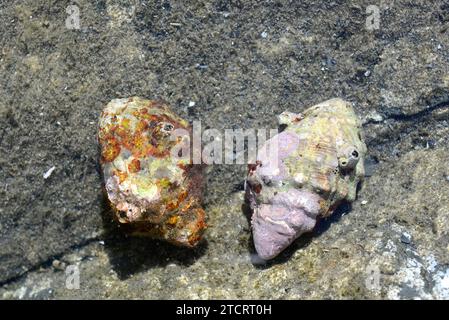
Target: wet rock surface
(241,63)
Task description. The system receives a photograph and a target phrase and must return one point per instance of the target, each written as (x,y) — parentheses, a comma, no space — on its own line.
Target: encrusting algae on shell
(318,163)
(152,192)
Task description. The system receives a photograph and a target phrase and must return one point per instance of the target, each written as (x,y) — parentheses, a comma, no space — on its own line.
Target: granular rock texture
(233,64)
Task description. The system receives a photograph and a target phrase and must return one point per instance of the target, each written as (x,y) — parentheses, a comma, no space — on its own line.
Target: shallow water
(229,66)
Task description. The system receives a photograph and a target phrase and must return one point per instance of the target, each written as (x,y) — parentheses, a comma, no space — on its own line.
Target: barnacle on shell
(152,192)
(318,165)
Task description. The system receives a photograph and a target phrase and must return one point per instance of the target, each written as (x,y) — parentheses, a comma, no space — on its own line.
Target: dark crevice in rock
(48,262)
(411,117)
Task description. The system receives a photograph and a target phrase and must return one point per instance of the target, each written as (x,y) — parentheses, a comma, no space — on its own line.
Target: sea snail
(152,193)
(318,164)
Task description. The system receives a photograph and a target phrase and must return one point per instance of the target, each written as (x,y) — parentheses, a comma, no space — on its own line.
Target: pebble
(264,34)
(376,116)
(406,238)
(364,202)
(58,265)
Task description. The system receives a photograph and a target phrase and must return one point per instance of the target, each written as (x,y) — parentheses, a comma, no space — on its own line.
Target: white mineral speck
(441,288)
(191,103)
(264,34)
(49,172)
